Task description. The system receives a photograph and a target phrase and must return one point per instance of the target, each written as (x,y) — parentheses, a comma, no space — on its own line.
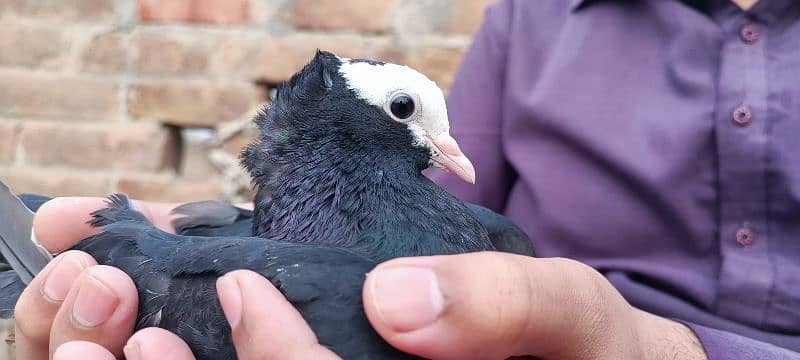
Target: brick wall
(153,98)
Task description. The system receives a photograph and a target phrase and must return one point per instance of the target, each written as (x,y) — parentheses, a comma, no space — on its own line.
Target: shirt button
(742,115)
(748,34)
(745,236)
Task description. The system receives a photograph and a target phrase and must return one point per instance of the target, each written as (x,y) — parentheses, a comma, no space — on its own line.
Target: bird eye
(402,106)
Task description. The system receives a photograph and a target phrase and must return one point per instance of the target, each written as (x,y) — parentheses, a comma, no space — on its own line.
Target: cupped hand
(495,305)
(479,305)
(75,308)
(73,298)
(471,306)
(265,326)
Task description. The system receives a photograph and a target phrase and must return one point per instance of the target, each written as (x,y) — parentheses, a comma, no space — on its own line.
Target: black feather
(339,189)
(175,276)
(205,216)
(331,169)
(504,234)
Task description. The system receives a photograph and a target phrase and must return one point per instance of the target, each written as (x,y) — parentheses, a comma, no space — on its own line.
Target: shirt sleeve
(721,345)
(475,111)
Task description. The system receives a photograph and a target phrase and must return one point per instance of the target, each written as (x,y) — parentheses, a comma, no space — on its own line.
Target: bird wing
(504,235)
(212,218)
(176,274)
(215,218)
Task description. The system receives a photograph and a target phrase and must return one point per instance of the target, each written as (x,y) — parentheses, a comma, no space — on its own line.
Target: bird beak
(447,155)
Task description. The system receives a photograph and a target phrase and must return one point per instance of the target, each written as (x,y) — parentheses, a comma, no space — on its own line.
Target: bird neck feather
(357,203)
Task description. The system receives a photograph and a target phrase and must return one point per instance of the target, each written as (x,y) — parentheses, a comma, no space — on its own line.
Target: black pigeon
(339,188)
(217,218)
(175,276)
(340,157)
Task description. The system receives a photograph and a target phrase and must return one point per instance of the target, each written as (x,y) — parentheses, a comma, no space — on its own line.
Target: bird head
(354,106)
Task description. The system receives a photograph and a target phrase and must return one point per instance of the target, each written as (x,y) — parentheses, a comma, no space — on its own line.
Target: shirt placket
(746,275)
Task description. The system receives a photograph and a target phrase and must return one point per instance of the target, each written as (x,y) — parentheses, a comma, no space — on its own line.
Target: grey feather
(205,213)
(17,245)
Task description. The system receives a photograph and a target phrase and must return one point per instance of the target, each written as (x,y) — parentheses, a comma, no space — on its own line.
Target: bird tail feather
(118,208)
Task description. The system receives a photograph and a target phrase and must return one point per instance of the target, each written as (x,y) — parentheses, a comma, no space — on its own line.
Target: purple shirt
(656,140)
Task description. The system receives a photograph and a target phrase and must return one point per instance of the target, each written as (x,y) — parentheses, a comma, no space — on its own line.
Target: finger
(264,324)
(156,344)
(160,214)
(39,303)
(101,307)
(486,305)
(83,350)
(61,222)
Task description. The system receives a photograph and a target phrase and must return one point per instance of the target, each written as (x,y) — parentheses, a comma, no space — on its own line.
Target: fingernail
(95,302)
(230,297)
(62,276)
(406,298)
(132,351)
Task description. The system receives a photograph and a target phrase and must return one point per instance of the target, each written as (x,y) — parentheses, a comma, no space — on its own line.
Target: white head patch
(377,83)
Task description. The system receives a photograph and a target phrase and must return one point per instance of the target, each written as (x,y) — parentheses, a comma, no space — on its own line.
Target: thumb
(264,324)
(490,306)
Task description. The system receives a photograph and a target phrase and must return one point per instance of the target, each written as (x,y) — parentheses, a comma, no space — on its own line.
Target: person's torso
(655,139)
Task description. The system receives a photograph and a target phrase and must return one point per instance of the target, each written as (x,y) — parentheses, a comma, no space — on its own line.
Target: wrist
(662,338)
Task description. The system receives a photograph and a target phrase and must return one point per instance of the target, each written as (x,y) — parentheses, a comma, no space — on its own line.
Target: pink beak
(448,156)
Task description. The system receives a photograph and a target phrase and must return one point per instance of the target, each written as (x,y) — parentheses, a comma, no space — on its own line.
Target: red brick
(105,53)
(438,63)
(8,141)
(280,57)
(363,15)
(192,103)
(466,16)
(202,11)
(264,12)
(389,53)
(54,182)
(161,11)
(160,53)
(236,143)
(60,10)
(33,46)
(232,53)
(275,58)
(169,188)
(197,145)
(57,96)
(126,146)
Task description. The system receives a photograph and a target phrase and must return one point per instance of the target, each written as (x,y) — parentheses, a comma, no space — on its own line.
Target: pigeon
(175,276)
(340,157)
(218,218)
(337,169)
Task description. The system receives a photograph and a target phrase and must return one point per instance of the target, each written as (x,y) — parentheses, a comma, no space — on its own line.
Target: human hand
(73,298)
(75,307)
(494,306)
(552,308)
(264,324)
(437,307)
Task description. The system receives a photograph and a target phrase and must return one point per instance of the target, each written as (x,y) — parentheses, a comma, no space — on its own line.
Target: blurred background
(154,98)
